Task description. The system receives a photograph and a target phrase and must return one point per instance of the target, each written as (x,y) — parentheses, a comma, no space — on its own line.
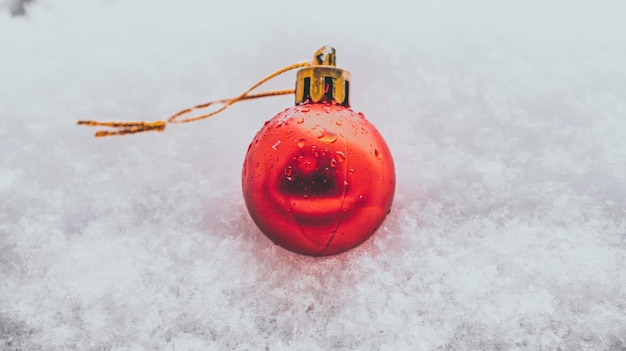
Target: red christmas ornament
(318,178)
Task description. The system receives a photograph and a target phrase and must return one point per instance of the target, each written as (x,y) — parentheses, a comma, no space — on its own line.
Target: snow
(506,122)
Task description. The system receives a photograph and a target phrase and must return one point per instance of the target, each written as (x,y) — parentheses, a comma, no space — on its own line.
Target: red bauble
(318,179)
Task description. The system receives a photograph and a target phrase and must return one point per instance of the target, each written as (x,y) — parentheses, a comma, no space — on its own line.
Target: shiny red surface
(318,179)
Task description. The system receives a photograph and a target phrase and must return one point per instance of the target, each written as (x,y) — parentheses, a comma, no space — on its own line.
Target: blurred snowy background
(507,121)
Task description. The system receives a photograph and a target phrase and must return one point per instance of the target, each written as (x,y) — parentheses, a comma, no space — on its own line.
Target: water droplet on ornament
(327,136)
(351,170)
(275,146)
(305,196)
(345,183)
(305,108)
(338,122)
(333,163)
(327,109)
(301,142)
(340,156)
(300,120)
(288,171)
(378,154)
(361,196)
(361,114)
(266,122)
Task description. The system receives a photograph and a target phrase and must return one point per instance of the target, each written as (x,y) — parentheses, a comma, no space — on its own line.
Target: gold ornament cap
(323,82)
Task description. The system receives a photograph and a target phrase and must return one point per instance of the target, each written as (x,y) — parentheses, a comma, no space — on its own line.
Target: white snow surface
(506,120)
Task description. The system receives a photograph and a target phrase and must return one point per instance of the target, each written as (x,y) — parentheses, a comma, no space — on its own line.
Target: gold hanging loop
(132,127)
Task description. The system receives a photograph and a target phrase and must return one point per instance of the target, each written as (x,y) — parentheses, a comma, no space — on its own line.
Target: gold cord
(132,127)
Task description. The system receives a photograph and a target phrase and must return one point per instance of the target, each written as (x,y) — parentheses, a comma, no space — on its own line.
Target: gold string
(132,127)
